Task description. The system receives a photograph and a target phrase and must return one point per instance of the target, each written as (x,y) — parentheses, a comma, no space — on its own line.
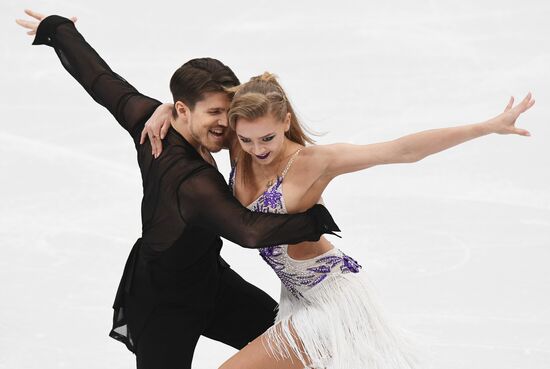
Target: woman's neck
(274,169)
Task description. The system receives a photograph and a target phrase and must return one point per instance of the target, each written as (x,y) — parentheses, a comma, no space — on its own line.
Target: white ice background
(457,244)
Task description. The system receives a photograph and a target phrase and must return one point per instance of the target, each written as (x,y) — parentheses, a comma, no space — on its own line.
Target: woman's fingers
(31,33)
(152,142)
(510,104)
(34,14)
(526,103)
(522,132)
(155,146)
(74,19)
(158,147)
(519,109)
(156,138)
(143,136)
(525,100)
(164,130)
(155,142)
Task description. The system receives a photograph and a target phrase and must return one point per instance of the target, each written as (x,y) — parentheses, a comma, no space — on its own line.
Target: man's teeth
(217,132)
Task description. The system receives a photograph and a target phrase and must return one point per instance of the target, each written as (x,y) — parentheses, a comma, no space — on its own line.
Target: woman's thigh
(257,354)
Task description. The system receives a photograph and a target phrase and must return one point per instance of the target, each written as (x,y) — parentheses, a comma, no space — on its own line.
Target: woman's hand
(156,128)
(33,25)
(505,123)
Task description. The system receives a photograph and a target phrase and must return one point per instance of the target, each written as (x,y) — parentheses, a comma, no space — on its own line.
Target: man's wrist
(46,29)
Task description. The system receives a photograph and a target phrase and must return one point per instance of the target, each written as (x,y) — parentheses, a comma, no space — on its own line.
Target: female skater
(328,317)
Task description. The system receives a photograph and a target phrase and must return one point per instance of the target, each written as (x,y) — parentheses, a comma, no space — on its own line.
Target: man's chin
(213,144)
(213,148)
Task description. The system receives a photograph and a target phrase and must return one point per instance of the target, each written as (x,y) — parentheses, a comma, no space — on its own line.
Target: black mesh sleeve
(205,200)
(130,108)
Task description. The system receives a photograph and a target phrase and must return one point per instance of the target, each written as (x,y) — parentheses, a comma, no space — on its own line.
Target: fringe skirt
(338,324)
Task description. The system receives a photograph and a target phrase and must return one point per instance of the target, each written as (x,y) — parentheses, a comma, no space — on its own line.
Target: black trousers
(241,313)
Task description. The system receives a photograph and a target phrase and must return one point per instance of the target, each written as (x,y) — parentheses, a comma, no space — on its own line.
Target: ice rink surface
(458,244)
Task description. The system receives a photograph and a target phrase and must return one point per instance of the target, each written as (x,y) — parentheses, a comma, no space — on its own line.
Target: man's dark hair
(198,76)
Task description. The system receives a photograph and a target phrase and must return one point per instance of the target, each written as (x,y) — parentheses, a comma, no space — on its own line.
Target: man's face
(207,122)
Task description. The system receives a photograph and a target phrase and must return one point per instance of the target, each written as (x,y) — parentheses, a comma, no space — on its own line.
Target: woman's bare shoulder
(307,164)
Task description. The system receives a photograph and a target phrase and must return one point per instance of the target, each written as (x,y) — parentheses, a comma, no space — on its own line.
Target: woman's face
(263,138)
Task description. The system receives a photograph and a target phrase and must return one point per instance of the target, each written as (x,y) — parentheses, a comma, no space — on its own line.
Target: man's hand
(156,128)
(33,25)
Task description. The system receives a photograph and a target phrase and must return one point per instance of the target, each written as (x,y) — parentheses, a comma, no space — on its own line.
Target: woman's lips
(261,157)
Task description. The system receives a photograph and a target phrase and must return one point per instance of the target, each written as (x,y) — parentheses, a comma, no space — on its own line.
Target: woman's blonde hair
(260,96)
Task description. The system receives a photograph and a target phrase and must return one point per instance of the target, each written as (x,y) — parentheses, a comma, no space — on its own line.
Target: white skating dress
(327,316)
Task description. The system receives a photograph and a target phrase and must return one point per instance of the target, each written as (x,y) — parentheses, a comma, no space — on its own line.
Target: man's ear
(182,110)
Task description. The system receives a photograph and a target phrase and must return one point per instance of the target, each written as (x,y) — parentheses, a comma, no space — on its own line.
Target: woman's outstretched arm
(345,158)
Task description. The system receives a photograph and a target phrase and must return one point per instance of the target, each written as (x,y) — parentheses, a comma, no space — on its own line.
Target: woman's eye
(245,140)
(267,139)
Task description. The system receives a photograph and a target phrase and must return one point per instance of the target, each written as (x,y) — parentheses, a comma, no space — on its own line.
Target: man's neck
(183,129)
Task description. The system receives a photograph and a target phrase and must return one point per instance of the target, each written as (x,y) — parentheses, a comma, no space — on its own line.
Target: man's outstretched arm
(130,108)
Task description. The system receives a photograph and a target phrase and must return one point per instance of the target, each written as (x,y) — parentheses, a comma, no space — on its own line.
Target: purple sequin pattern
(232,179)
(296,278)
(275,256)
(271,200)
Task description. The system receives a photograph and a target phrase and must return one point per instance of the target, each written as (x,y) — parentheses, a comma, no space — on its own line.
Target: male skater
(175,286)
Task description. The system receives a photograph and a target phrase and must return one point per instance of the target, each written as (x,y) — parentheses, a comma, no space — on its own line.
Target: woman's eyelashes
(248,140)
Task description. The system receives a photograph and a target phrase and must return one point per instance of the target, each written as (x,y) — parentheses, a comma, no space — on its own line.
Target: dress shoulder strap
(232,177)
(290,162)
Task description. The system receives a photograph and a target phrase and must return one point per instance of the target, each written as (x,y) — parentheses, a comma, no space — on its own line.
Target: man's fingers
(34,14)
(26,23)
